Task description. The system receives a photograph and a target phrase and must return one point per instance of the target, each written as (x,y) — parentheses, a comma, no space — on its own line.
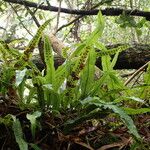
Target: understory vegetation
(74,106)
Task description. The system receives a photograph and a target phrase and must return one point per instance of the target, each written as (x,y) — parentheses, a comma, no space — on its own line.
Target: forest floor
(106,134)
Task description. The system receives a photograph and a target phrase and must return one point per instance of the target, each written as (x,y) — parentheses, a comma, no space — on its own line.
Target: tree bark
(107,11)
(132,58)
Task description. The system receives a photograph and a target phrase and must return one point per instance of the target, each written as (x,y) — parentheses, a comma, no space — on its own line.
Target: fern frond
(123,115)
(33,43)
(49,60)
(11,52)
(112,51)
(78,67)
(3,53)
(19,134)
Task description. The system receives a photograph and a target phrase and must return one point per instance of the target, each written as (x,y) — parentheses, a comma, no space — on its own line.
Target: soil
(50,134)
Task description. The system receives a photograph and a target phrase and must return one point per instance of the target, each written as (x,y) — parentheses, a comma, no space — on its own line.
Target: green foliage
(19,134)
(7,120)
(72,86)
(32,44)
(102,104)
(132,111)
(145,91)
(32,118)
(87,77)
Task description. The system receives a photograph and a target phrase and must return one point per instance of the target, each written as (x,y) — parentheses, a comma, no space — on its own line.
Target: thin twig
(33,16)
(20,20)
(58,16)
(81,16)
(2,28)
(106,11)
(68,24)
(136,73)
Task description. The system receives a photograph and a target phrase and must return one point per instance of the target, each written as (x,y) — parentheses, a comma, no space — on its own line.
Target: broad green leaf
(123,115)
(126,119)
(19,134)
(20,74)
(132,111)
(32,118)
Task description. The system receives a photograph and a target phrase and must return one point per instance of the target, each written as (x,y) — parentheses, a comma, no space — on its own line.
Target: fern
(33,120)
(132,111)
(75,72)
(19,134)
(23,61)
(87,77)
(49,60)
(112,51)
(11,52)
(123,115)
(33,43)
(3,54)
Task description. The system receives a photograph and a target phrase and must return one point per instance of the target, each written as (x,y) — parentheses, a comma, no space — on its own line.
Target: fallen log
(132,58)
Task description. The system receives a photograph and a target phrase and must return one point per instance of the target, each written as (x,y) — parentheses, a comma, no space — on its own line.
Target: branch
(107,11)
(136,73)
(21,22)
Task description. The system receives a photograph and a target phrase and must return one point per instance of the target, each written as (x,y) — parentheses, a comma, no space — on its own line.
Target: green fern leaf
(132,111)
(33,43)
(19,134)
(112,51)
(123,115)
(11,52)
(87,77)
(49,60)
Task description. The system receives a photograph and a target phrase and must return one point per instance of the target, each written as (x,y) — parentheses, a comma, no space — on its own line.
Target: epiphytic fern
(33,43)
(11,52)
(112,51)
(78,67)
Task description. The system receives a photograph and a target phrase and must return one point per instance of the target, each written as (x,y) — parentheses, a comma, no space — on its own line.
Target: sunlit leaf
(20,74)
(32,118)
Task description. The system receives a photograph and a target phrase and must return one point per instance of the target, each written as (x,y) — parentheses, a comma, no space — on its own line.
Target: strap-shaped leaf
(123,115)
(112,51)
(132,111)
(19,134)
(49,60)
(97,33)
(11,52)
(33,43)
(87,77)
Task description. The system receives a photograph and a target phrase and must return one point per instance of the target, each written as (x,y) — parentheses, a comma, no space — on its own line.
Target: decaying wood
(132,58)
